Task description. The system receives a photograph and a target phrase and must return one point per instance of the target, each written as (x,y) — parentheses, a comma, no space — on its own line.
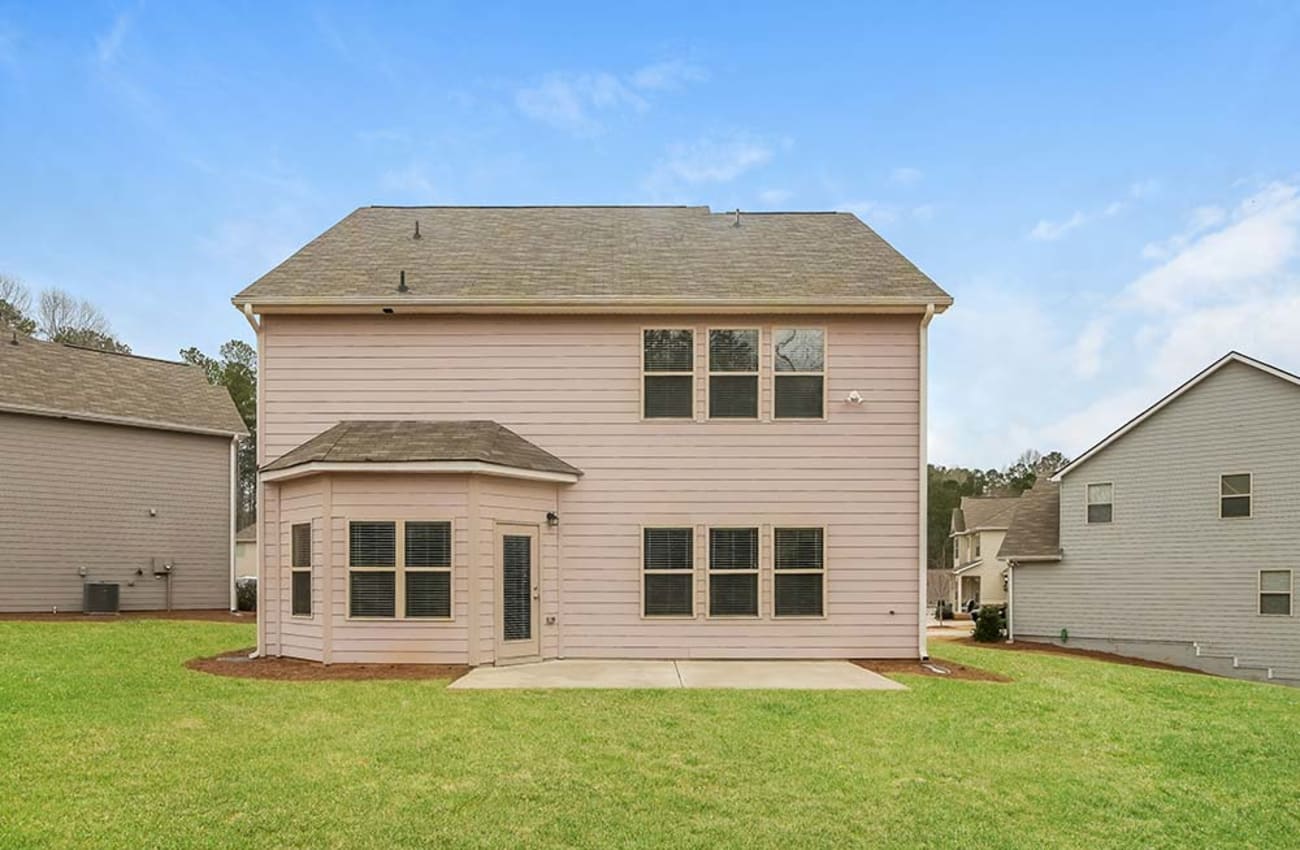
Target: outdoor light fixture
(552,519)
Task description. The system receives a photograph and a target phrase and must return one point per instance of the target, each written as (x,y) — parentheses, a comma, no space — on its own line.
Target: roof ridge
(72,345)
(537,207)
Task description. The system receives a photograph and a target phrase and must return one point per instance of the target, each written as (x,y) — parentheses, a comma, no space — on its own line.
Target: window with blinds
(733,374)
(799,382)
(400,570)
(733,572)
(668,373)
(300,569)
(668,567)
(799,575)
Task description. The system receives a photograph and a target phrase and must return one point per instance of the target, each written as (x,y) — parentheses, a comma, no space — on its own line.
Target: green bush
(246,593)
(989,624)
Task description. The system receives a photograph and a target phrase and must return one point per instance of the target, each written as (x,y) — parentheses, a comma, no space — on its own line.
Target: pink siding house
(492,435)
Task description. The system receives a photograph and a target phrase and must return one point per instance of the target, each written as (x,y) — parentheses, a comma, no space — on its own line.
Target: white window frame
(975,553)
(756,572)
(400,569)
(757,374)
(694,332)
(1087,503)
(800,571)
(1289,593)
(295,568)
(824,373)
(1249,495)
(693,572)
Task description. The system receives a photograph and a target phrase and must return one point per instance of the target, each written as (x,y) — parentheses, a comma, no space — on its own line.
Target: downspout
(923,481)
(234,512)
(1011,600)
(257,514)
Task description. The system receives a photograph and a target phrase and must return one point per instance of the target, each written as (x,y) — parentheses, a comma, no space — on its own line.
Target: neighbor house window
(1234,495)
(1101,502)
(399,569)
(1275,592)
(733,374)
(800,572)
(668,364)
(976,553)
(799,360)
(668,567)
(300,569)
(733,572)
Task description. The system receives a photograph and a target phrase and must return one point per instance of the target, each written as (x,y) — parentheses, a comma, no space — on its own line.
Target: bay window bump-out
(733,572)
(799,373)
(300,564)
(400,569)
(667,373)
(733,373)
(799,572)
(668,572)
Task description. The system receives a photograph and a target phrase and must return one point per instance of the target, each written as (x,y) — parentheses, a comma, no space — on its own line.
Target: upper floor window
(1275,592)
(1234,495)
(799,363)
(668,364)
(1101,505)
(733,374)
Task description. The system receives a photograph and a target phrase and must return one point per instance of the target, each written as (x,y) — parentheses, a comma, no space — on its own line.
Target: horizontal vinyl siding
(1168,568)
(573,387)
(76,494)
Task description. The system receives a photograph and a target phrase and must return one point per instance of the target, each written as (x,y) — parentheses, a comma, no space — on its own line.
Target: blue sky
(1110,191)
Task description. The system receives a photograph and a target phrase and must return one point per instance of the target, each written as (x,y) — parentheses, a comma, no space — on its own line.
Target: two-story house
(501,434)
(978,526)
(1176,537)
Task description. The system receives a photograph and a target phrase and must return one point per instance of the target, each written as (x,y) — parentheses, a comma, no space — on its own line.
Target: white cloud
(412,183)
(109,45)
(711,160)
(1088,349)
(1143,189)
(905,176)
(1048,231)
(871,212)
(666,76)
(923,212)
(775,197)
(8,44)
(573,101)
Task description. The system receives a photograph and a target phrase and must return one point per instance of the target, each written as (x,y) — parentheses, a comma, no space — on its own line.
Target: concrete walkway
(755,675)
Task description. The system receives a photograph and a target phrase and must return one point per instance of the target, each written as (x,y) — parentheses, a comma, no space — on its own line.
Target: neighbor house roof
(53,379)
(383,444)
(611,257)
(979,512)
(1230,357)
(1035,532)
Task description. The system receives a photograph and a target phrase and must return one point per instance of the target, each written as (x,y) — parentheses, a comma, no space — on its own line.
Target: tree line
(58,316)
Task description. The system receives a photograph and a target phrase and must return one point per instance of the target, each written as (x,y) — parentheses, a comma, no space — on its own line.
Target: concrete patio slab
(581,673)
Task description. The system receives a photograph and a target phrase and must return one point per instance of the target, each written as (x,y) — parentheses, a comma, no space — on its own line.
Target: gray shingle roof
(66,380)
(404,441)
(596,255)
(1035,531)
(983,512)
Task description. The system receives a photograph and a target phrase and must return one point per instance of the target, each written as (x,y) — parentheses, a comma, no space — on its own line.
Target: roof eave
(1030,559)
(440,467)
(405,303)
(104,419)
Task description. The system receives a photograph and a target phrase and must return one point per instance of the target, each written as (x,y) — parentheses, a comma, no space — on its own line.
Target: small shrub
(246,593)
(989,624)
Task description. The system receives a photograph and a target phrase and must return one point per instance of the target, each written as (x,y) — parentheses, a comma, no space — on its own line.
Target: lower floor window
(733,572)
(799,576)
(1275,592)
(300,565)
(668,572)
(399,569)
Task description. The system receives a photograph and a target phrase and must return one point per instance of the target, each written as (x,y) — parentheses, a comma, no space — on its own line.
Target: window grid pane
(733,396)
(428,544)
(733,595)
(799,350)
(1235,506)
(1100,513)
(669,549)
(798,595)
(798,548)
(300,595)
(669,350)
(799,396)
(1275,603)
(1275,581)
(428,593)
(372,593)
(733,351)
(300,544)
(372,544)
(669,397)
(733,548)
(1234,485)
(668,594)
(1100,494)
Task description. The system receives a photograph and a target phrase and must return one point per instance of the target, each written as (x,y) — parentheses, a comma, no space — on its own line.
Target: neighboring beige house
(114,470)
(246,551)
(978,527)
(491,435)
(1176,537)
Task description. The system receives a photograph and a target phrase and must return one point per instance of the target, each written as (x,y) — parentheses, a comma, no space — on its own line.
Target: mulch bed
(238,665)
(1097,655)
(885,666)
(219,615)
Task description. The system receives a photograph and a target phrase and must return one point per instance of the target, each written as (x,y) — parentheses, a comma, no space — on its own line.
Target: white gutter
(445,467)
(234,513)
(1011,603)
(252,319)
(923,482)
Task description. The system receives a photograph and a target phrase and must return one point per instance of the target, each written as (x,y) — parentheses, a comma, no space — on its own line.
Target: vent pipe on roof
(14,341)
(401,282)
(736,223)
(417,229)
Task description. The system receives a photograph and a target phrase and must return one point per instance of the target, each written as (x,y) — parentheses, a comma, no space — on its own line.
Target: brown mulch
(238,665)
(218,615)
(885,666)
(1097,655)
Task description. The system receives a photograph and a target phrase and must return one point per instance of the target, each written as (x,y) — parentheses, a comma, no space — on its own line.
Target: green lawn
(107,741)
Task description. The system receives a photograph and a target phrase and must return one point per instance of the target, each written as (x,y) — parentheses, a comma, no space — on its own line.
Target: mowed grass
(107,741)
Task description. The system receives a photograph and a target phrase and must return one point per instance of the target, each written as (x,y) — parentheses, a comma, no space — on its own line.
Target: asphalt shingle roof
(598,255)
(404,441)
(983,512)
(1035,530)
(66,380)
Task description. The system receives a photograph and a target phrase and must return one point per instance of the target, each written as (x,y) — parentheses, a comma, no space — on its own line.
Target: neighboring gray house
(114,469)
(1176,538)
